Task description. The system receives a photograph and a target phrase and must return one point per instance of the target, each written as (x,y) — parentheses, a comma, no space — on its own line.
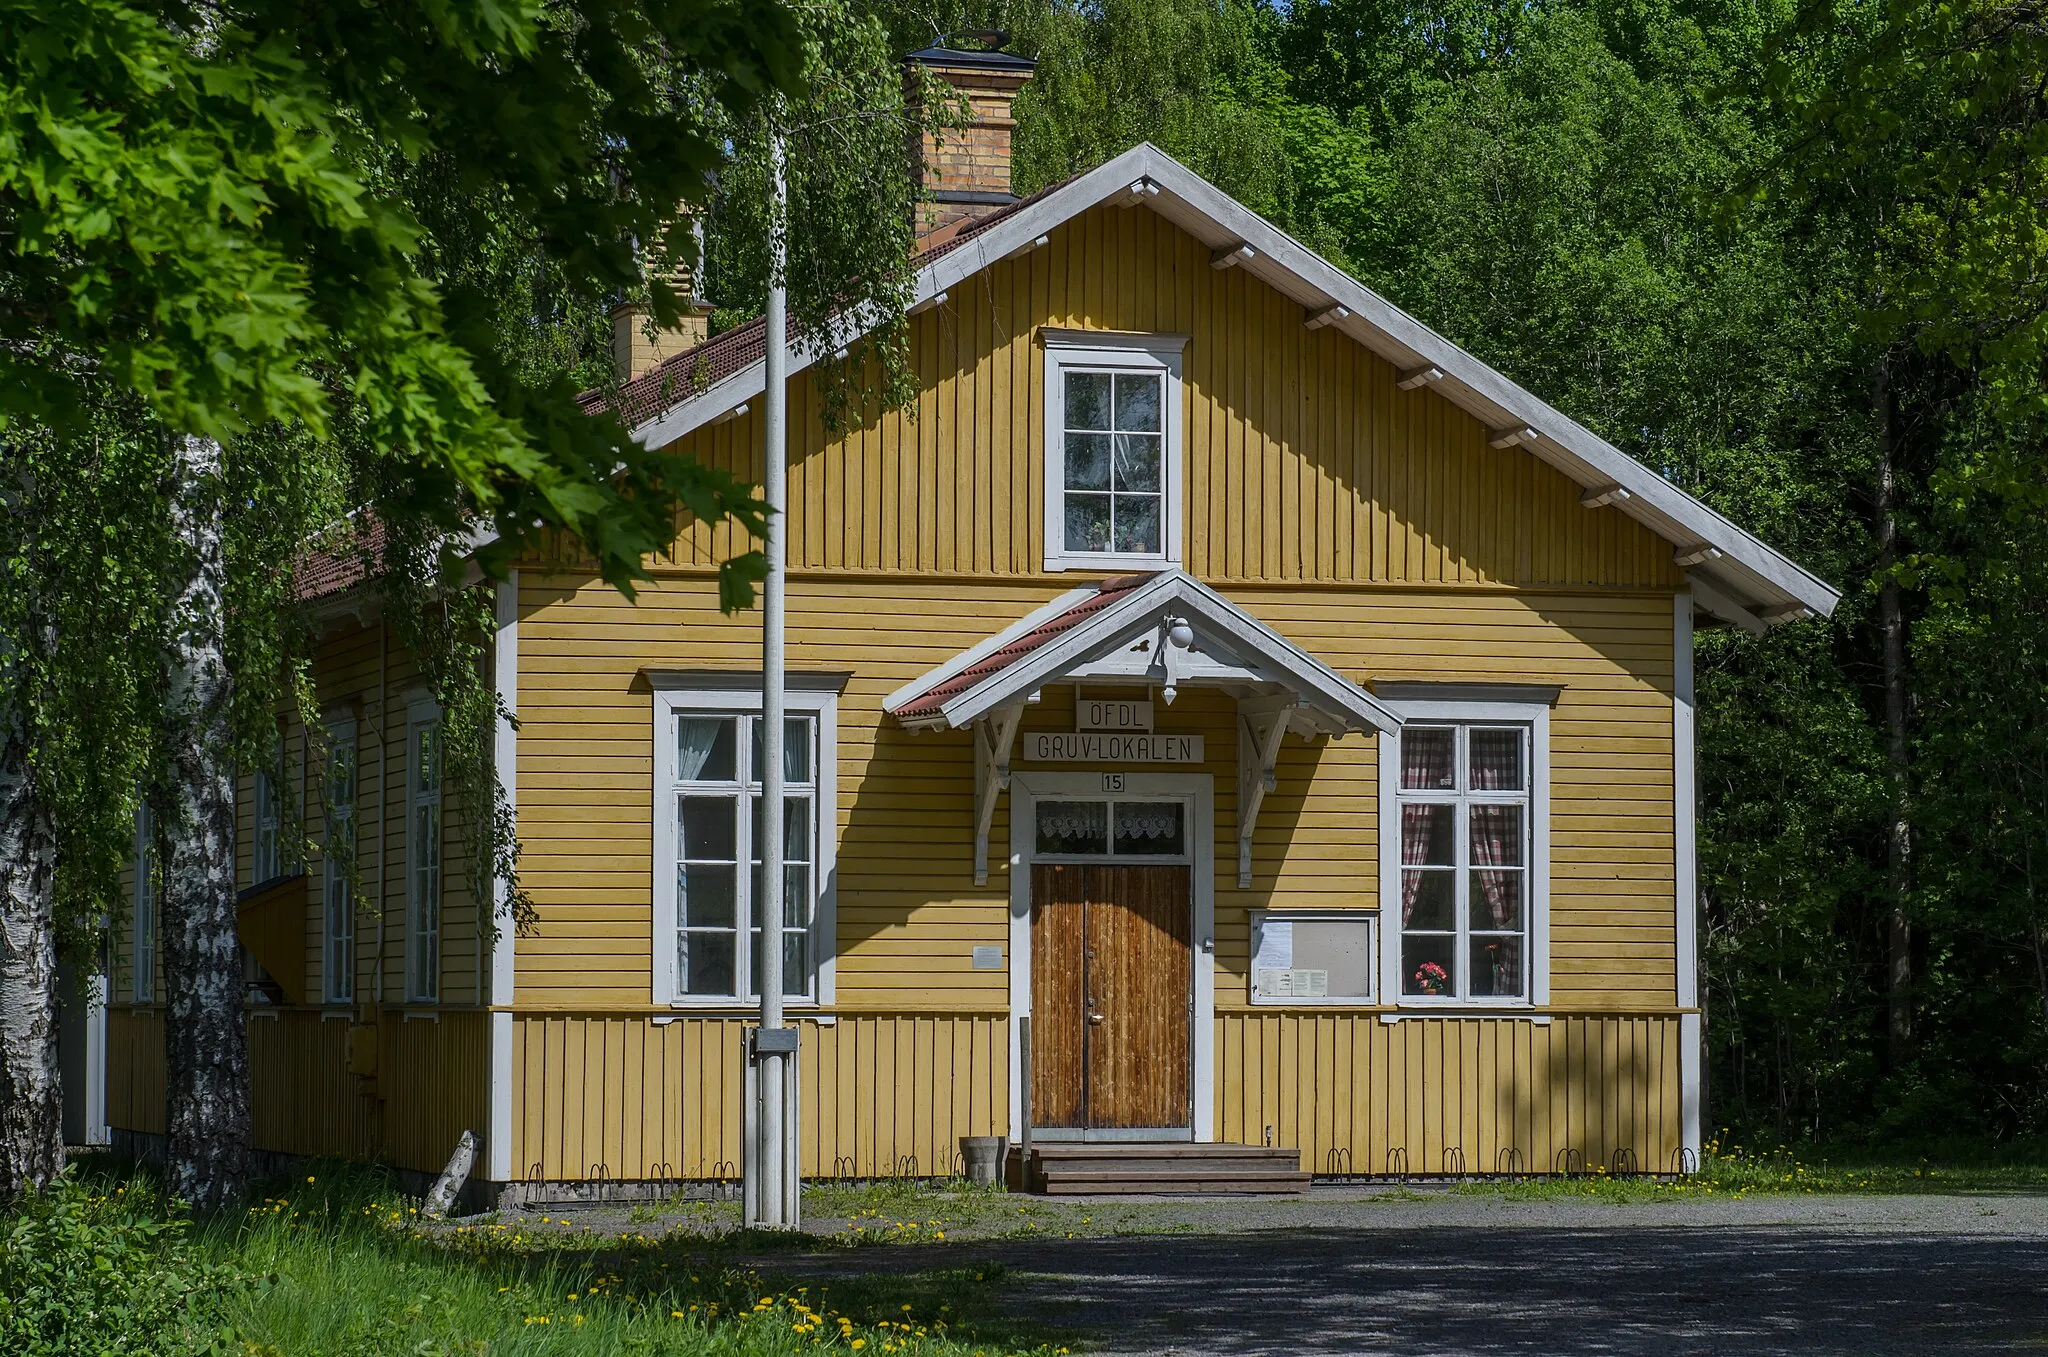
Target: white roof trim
(1752,575)
(1143,605)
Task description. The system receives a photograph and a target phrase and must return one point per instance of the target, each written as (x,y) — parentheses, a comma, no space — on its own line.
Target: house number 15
(1112,782)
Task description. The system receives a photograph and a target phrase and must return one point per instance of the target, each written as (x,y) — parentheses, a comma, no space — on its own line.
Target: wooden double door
(1112,984)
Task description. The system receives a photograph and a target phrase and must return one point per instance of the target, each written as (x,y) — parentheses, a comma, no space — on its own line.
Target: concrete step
(1071,1167)
(1174,1184)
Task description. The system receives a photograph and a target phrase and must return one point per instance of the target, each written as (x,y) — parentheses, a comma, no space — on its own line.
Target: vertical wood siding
(1487,1093)
(621,1097)
(1304,460)
(431,1086)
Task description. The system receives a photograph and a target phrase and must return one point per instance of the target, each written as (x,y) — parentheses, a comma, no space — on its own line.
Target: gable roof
(1734,574)
(1118,629)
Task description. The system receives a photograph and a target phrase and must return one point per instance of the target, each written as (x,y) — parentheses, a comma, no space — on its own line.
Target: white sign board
(1101,747)
(1319,955)
(1096,713)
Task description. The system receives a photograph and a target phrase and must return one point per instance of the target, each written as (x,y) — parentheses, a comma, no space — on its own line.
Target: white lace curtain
(696,738)
(1148,820)
(1073,820)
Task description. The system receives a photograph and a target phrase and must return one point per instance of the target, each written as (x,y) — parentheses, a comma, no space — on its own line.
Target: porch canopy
(1167,631)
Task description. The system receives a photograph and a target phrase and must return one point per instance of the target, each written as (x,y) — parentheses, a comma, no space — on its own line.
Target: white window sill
(1091,560)
(1525,1012)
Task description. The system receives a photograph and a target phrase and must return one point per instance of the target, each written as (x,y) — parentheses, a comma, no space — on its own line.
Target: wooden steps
(1070,1168)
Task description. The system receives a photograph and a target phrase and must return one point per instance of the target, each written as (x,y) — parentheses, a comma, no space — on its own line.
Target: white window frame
(1535,716)
(339,981)
(143,982)
(1113,351)
(1027,789)
(421,717)
(822,706)
(266,854)
(1372,924)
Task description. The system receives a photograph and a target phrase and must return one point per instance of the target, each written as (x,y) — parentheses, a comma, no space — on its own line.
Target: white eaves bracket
(1261,726)
(994,735)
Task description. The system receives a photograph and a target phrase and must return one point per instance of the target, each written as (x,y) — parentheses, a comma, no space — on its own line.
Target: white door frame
(1026,790)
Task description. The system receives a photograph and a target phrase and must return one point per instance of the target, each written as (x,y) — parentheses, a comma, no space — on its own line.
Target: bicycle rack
(844,1170)
(1569,1162)
(600,1174)
(1337,1164)
(1398,1154)
(906,1166)
(1624,1163)
(1507,1162)
(1454,1161)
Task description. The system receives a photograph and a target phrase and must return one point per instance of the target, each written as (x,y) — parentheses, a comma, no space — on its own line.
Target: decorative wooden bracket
(993,736)
(1260,729)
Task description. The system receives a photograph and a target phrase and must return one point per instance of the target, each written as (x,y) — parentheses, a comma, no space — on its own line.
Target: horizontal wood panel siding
(1452,1094)
(609,1096)
(909,914)
(1304,461)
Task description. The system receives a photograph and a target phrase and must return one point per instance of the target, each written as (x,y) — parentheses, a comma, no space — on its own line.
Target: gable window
(708,841)
(1464,882)
(423,860)
(1112,449)
(339,948)
(145,906)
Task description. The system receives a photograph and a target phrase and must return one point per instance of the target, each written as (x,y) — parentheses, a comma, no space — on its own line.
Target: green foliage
(218,226)
(107,1270)
(849,236)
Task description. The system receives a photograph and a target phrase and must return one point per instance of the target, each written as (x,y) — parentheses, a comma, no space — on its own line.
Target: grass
(342,1265)
(1733,1170)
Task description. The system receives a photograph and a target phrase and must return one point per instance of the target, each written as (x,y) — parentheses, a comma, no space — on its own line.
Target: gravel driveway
(1344,1273)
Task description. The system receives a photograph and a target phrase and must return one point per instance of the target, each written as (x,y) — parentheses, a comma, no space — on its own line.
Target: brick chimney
(965,175)
(639,346)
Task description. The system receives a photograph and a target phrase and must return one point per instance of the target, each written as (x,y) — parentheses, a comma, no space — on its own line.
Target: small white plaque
(988,958)
(1292,983)
(1102,747)
(1126,717)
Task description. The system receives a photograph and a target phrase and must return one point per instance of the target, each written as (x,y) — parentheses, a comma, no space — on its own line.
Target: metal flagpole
(775,1195)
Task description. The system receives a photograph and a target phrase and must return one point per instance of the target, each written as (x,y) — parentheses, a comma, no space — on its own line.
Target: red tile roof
(694,371)
(927,703)
(324,572)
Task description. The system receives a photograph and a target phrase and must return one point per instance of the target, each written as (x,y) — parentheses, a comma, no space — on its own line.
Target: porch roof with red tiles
(932,700)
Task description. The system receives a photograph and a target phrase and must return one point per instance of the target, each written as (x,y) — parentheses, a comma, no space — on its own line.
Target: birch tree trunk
(31,1092)
(206,1042)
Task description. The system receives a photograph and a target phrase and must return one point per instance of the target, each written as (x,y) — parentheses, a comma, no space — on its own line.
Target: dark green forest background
(1788,258)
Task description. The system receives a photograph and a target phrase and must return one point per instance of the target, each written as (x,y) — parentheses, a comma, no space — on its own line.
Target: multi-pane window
(717,809)
(269,847)
(423,857)
(340,947)
(1115,469)
(1112,449)
(1465,852)
(145,906)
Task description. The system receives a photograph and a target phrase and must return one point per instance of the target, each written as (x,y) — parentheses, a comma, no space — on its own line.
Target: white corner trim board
(505,757)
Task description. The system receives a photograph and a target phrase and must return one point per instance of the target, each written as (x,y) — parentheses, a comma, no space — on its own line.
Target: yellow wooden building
(1287,713)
